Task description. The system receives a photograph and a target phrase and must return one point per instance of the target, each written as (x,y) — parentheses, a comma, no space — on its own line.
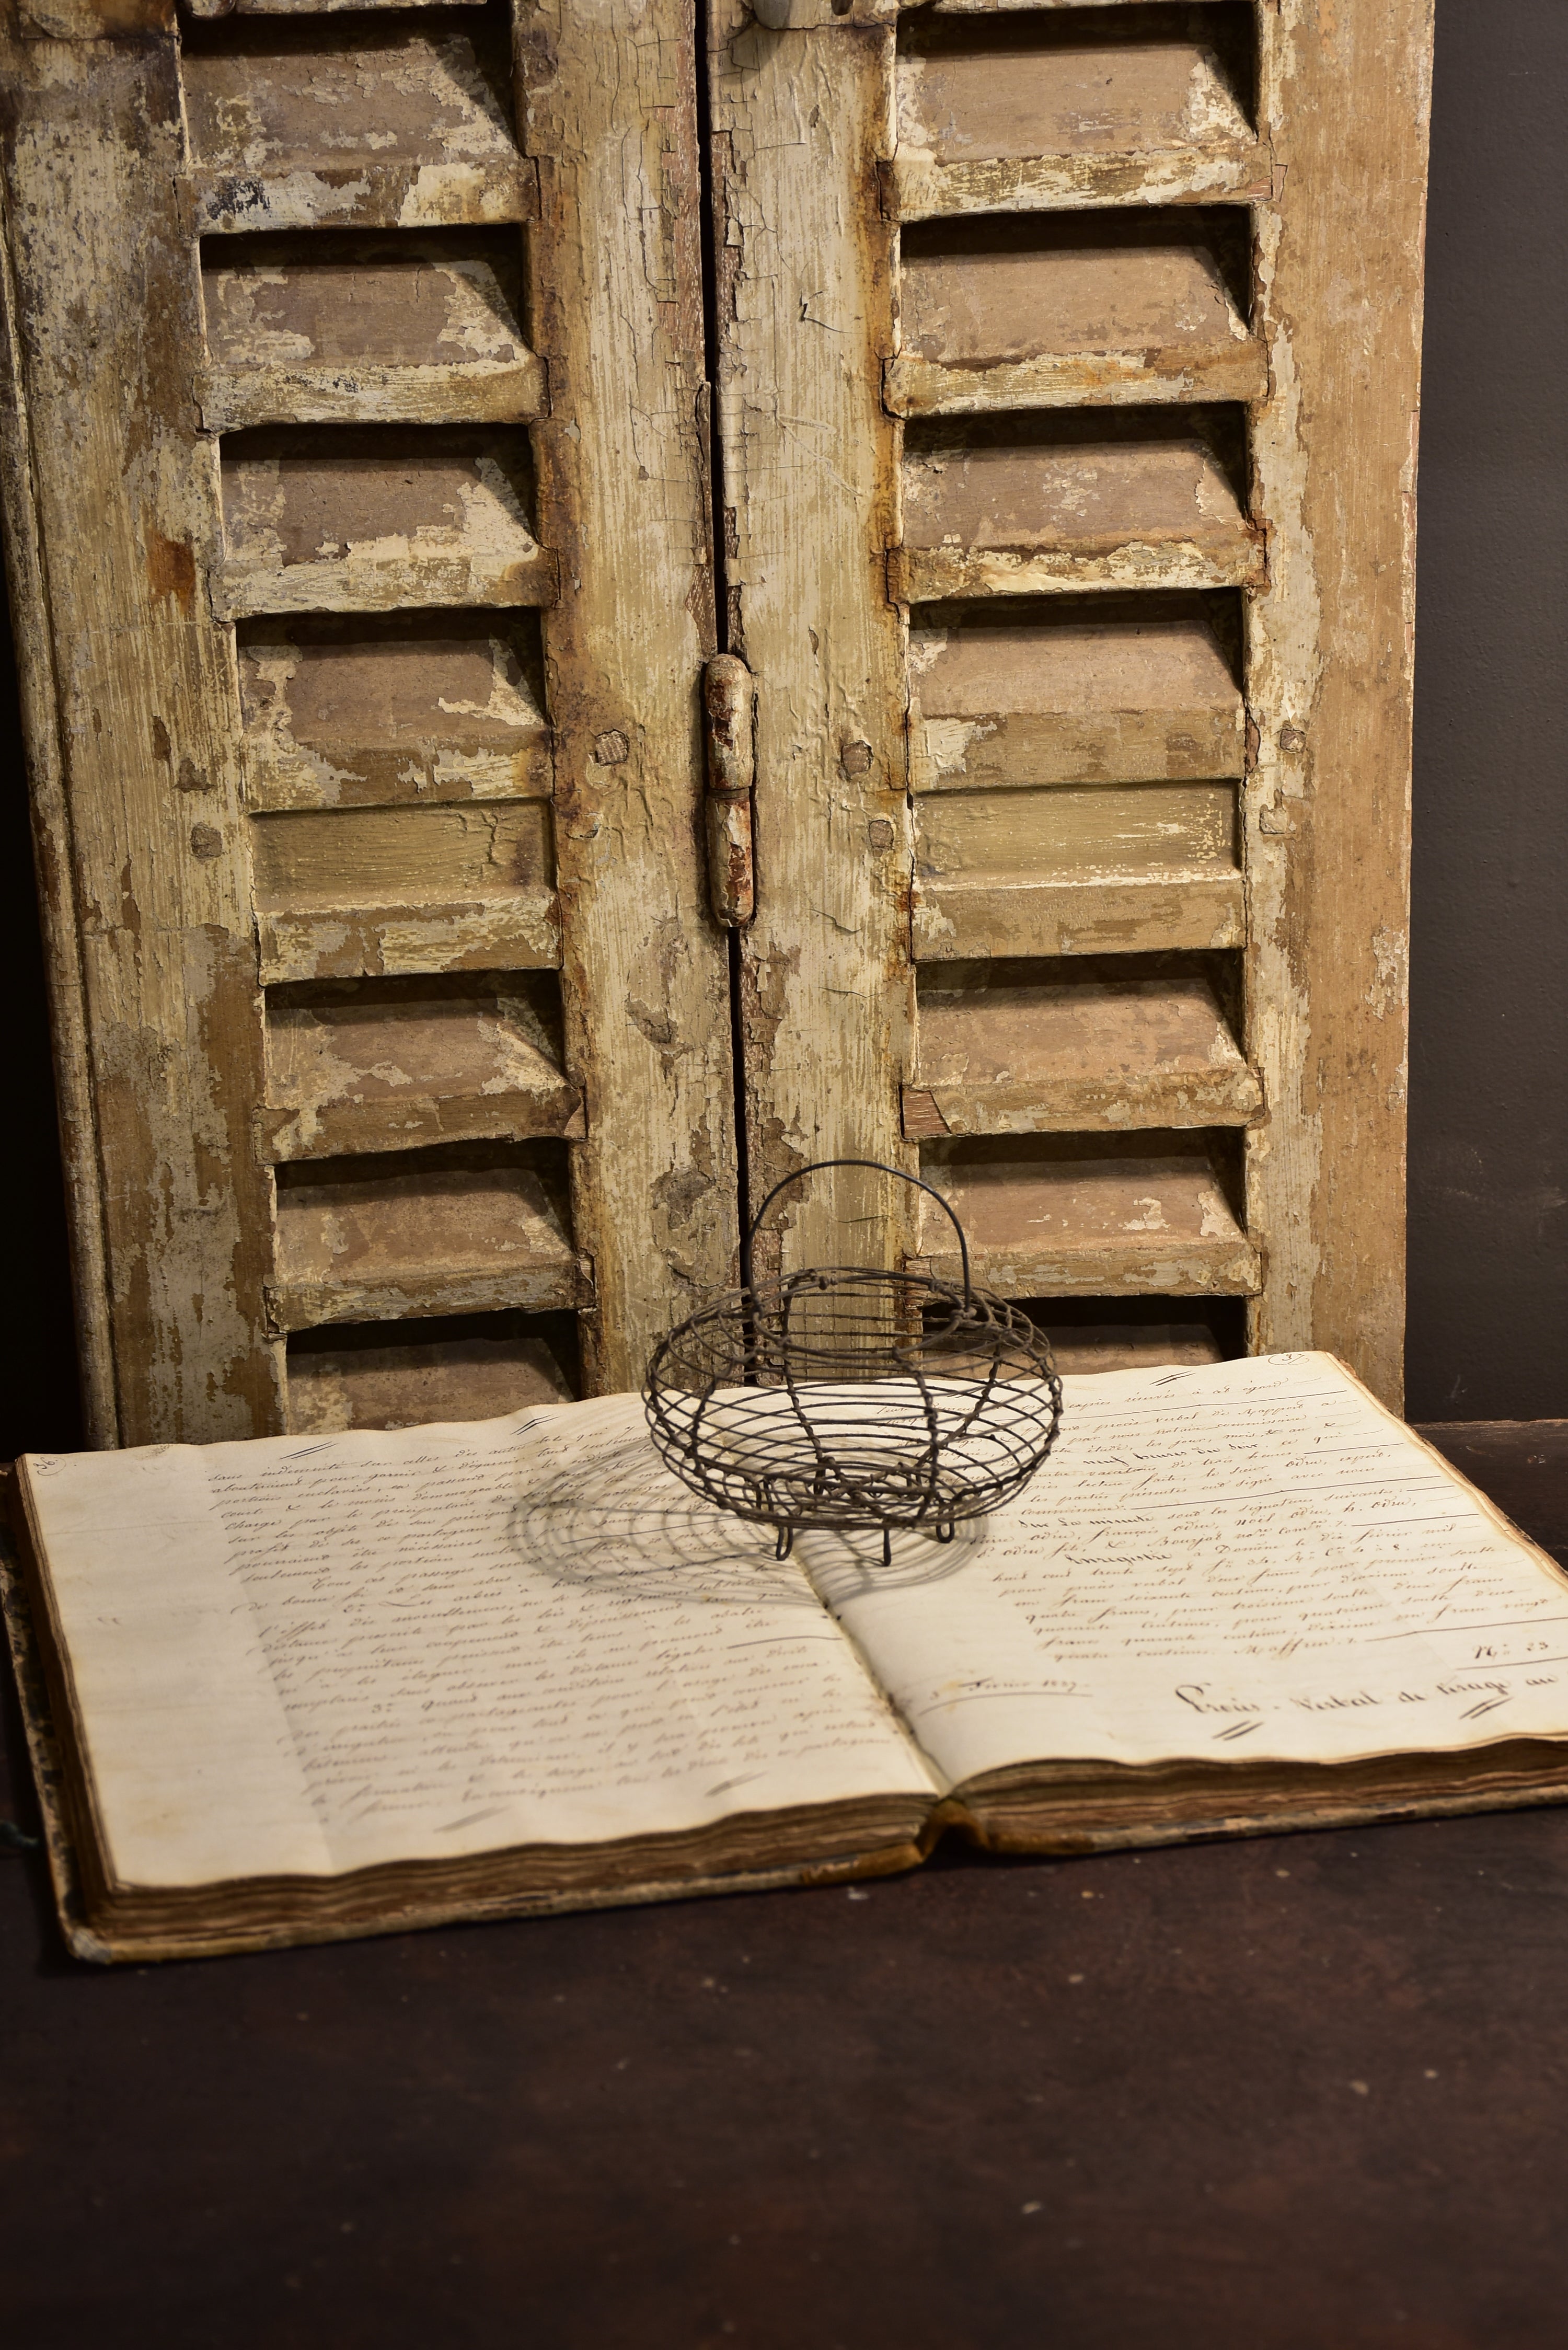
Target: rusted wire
(850,1398)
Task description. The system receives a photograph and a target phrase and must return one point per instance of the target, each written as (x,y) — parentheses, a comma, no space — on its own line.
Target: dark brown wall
(1488,1090)
(1489,1174)
(38,1407)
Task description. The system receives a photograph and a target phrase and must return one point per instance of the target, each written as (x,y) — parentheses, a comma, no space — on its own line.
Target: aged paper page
(315,1654)
(1249,1559)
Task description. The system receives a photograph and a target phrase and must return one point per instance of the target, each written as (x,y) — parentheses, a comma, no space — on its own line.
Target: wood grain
(442,1233)
(146,709)
(312,329)
(518,930)
(1004,1053)
(65,979)
(1044,115)
(452,1368)
(800,119)
(1348,95)
(343,713)
(1090,914)
(374,522)
(363,1065)
(1019,509)
(1101,694)
(1106,652)
(1071,830)
(1096,1219)
(302,126)
(608,93)
(1022,314)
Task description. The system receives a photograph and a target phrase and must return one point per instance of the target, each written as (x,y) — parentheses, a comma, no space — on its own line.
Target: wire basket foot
(851,1398)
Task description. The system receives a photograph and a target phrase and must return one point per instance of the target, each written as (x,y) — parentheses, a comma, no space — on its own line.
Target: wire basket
(850,1398)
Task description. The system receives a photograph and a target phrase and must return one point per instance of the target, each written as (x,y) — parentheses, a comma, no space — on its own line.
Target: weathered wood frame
(811,501)
(1345,99)
(1335,180)
(609,113)
(139,806)
(132,710)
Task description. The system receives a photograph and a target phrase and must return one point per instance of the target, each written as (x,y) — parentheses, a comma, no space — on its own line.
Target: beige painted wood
(519,929)
(1328,327)
(359,856)
(314,720)
(1021,122)
(800,121)
(996,511)
(143,687)
(1346,95)
(408,330)
(1109,1345)
(373,1240)
(1071,775)
(998,1055)
(357,1066)
(379,890)
(340,713)
(1019,97)
(1073,829)
(1110,692)
(217,8)
(1060,312)
(1002,7)
(609,115)
(1095,913)
(308,8)
(1106,655)
(377,522)
(310,125)
(35,652)
(1098,1221)
(424,1374)
(919,187)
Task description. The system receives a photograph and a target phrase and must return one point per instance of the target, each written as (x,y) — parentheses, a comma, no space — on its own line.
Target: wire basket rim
(769,1418)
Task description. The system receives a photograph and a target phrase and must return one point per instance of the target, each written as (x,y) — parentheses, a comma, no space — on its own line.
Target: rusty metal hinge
(729,703)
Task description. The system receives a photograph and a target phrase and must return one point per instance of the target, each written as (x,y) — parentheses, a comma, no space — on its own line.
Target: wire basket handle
(880,1166)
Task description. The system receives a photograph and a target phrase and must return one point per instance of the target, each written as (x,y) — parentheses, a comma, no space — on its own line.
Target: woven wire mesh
(847,1397)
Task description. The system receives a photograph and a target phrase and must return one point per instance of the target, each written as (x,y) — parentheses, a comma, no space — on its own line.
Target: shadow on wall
(1488,1097)
(40,1406)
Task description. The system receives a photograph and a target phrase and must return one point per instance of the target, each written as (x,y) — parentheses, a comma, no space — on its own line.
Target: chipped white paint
(929,574)
(1090,913)
(522,931)
(609,111)
(1390,967)
(346,1077)
(801,119)
(398,195)
(386,733)
(1234,370)
(166,933)
(145,687)
(475,547)
(1347,103)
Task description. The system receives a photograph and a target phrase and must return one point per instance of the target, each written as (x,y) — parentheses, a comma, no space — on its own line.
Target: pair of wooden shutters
(404,404)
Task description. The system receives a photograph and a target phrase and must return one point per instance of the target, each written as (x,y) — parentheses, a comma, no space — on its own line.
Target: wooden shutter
(1068,369)
(1065,366)
(356,502)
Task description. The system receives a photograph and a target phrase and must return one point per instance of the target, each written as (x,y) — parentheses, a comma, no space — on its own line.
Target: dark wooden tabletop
(1304,2091)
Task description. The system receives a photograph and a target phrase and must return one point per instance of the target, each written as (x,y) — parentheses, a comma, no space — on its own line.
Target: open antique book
(309,1686)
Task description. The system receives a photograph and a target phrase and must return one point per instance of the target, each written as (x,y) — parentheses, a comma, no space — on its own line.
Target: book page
(1249,1559)
(307,1655)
